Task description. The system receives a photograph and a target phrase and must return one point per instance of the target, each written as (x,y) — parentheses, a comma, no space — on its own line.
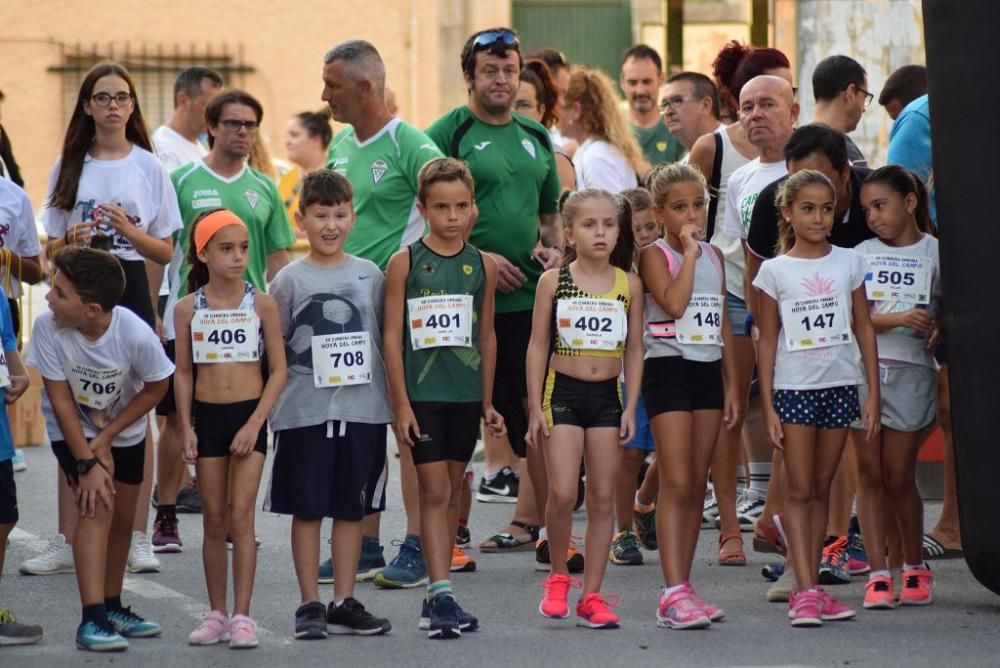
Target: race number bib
(441,320)
(225,336)
(95,387)
(816,322)
(702,321)
(4,371)
(591,324)
(341,359)
(898,278)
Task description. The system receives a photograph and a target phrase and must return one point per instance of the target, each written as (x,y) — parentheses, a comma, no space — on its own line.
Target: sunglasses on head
(508,38)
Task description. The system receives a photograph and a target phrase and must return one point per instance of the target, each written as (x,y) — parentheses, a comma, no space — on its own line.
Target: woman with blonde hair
(608,157)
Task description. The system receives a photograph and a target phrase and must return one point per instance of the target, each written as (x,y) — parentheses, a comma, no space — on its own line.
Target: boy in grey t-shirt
(330,422)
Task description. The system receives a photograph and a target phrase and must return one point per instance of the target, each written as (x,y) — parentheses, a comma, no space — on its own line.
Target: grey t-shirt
(314,300)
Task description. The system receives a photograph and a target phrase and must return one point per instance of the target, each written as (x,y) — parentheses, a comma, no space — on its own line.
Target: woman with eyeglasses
(538,99)
(109,191)
(609,157)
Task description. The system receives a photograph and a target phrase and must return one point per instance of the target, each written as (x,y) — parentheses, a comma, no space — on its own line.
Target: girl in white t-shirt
(904,295)
(108,190)
(224,326)
(813,320)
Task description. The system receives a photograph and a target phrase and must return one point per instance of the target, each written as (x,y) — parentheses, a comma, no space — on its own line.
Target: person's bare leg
(69,515)
(947,530)
(563,451)
(213,472)
(628,481)
(872,501)
(170,468)
(842,490)
(498,454)
(603,456)
(305,556)
(730,441)
(141,521)
(119,538)
(245,474)
(650,487)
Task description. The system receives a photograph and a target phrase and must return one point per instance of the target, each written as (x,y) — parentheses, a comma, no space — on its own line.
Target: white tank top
(731,247)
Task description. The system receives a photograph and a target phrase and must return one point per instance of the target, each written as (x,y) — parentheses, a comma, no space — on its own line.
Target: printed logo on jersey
(529,147)
(661,146)
(467,268)
(207,198)
(337,162)
(481,145)
(4,229)
(252,198)
(379,169)
(317,315)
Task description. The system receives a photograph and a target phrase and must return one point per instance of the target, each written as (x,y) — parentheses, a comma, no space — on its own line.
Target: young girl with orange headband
(228,328)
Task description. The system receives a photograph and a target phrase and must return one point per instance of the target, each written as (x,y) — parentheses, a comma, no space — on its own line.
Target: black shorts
(676,384)
(128,462)
(136,296)
(581,403)
(332,469)
(450,431)
(510,385)
(15,316)
(8,493)
(161,305)
(168,405)
(216,426)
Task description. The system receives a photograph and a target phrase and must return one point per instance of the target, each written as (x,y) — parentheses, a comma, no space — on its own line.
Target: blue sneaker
(857,558)
(407,570)
(466,622)
(773,571)
(95,637)
(19,462)
(370,562)
(132,625)
(444,618)
(833,569)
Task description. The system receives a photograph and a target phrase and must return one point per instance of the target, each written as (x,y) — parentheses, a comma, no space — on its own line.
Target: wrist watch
(83,466)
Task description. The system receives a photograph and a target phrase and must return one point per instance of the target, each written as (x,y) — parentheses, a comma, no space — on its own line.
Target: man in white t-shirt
(176,145)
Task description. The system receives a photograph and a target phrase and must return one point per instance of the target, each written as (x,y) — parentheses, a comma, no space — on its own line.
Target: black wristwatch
(83,466)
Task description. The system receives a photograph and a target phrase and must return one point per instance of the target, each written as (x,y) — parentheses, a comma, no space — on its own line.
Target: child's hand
(190,446)
(493,421)
(244,441)
(101,447)
(96,485)
(935,338)
(871,415)
(113,215)
(689,236)
(917,319)
(18,386)
(733,409)
(405,427)
(627,430)
(774,432)
(537,429)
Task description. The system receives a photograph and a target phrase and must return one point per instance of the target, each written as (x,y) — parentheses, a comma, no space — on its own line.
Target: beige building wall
(284,40)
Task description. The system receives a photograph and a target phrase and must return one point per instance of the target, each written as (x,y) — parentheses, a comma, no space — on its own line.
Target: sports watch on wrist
(83,466)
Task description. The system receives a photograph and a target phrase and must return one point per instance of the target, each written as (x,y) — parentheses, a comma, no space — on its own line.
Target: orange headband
(211,224)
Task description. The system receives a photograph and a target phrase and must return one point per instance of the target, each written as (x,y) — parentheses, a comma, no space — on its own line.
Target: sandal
(933,549)
(737,558)
(506,542)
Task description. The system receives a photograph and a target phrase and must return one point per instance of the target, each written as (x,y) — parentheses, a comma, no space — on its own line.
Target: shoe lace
(408,556)
(51,550)
(126,614)
(560,586)
(6,616)
(143,545)
(836,550)
(243,624)
(855,543)
(628,541)
(167,525)
(748,503)
(912,581)
(880,585)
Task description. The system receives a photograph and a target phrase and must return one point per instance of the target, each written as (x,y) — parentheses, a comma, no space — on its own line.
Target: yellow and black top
(566,289)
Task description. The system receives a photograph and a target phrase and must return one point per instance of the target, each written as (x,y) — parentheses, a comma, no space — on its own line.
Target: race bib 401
(441,320)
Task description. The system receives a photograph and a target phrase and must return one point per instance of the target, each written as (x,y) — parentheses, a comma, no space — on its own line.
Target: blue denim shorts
(737,314)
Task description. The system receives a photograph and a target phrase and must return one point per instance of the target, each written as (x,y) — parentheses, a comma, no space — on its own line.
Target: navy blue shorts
(827,408)
(331,469)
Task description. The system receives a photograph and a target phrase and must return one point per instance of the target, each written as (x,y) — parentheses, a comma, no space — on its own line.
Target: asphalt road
(959,629)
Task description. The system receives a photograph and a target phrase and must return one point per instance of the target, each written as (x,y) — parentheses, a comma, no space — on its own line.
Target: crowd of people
(692,312)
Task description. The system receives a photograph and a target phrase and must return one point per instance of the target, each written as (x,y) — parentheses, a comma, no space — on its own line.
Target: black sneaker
(502,488)
(444,618)
(189,498)
(543,561)
(463,538)
(466,622)
(310,621)
(351,618)
(12,633)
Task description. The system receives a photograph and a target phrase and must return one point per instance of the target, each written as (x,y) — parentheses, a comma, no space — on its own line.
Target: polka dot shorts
(828,408)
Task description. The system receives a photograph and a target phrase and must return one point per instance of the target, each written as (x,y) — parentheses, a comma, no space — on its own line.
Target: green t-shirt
(516,180)
(657,144)
(446,373)
(251,196)
(383,171)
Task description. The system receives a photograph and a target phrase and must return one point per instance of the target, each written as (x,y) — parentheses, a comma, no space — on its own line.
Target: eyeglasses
(868,96)
(104,99)
(234,125)
(508,38)
(674,103)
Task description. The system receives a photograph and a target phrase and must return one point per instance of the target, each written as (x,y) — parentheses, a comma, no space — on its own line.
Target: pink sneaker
(918,587)
(832,610)
(805,608)
(214,628)
(556,590)
(679,611)
(593,612)
(714,612)
(243,632)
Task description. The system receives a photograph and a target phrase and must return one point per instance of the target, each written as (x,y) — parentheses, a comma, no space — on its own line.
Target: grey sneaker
(781,590)
(12,633)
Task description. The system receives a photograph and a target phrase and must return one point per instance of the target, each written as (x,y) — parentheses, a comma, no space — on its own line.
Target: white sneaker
(750,510)
(19,462)
(140,555)
(57,557)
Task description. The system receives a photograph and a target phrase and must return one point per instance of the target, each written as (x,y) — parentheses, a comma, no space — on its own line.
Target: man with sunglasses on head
(517,195)
(224,180)
(840,89)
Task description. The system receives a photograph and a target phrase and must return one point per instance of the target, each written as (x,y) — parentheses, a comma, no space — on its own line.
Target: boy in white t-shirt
(103,373)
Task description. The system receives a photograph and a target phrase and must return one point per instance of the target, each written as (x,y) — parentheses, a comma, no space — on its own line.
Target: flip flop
(933,549)
(506,542)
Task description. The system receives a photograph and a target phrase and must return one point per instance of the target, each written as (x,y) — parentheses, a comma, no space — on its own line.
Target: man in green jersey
(381,156)
(641,79)
(517,191)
